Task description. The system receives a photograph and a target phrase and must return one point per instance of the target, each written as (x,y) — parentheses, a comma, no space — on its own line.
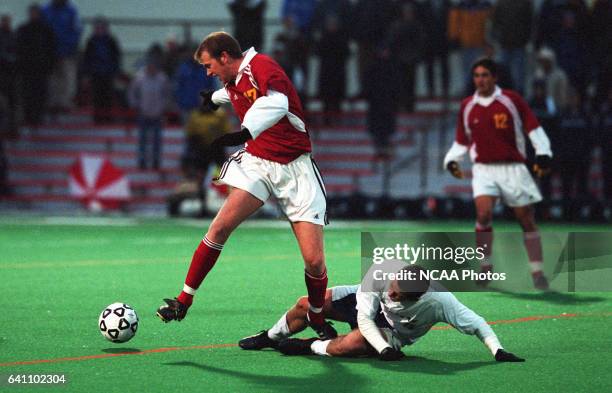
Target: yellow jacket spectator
(467,23)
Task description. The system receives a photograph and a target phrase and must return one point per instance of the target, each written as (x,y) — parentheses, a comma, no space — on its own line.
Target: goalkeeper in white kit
(410,308)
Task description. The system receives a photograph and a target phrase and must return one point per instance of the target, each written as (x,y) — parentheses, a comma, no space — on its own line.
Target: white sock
(280,330)
(320,347)
(536,266)
(492,342)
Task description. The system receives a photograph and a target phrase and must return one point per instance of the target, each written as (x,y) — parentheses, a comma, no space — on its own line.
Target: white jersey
(412,320)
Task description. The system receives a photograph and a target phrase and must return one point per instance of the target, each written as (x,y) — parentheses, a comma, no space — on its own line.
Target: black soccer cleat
(503,356)
(325,331)
(173,310)
(296,346)
(258,341)
(539,281)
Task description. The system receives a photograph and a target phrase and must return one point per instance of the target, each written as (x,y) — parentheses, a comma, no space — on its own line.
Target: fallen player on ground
(383,321)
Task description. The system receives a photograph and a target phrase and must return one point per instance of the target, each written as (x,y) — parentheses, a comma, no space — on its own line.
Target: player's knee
(219,232)
(315,264)
(302,304)
(528,226)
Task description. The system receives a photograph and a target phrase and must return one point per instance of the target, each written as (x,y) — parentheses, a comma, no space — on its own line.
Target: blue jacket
(65,23)
(102,56)
(190,78)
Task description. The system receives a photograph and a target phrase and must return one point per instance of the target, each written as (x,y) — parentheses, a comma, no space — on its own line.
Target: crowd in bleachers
(556,54)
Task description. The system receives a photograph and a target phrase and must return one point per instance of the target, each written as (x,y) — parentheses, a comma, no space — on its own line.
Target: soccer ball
(118,322)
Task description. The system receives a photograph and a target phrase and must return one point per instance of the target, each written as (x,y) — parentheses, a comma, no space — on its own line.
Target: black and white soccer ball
(118,322)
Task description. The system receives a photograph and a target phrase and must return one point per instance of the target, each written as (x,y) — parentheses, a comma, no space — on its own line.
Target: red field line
(110,355)
(216,346)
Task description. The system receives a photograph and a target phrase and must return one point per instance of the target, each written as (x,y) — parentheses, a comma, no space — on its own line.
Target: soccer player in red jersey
(275,162)
(492,126)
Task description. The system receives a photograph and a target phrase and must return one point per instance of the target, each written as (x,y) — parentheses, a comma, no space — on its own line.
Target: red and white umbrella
(98,183)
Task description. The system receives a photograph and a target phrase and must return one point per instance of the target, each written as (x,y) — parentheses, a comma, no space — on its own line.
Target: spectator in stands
(172,55)
(35,62)
(600,54)
(333,50)
(203,127)
(405,40)
(604,138)
(341,10)
(292,45)
(550,20)
(570,47)
(512,21)
(248,22)
(331,32)
(434,16)
(381,91)
(369,28)
(189,80)
(543,106)
(557,84)
(467,29)
(7,72)
(297,19)
(574,153)
(301,12)
(148,95)
(101,63)
(63,18)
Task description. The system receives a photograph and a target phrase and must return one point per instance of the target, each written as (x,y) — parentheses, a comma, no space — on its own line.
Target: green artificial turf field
(57,275)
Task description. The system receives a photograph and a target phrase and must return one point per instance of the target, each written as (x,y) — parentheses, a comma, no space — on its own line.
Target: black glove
(453,168)
(503,356)
(207,102)
(542,165)
(390,354)
(232,139)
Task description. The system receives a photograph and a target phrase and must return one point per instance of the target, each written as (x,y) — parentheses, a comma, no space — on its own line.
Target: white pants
(296,186)
(510,181)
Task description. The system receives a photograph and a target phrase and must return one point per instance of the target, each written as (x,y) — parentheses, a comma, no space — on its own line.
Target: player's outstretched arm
(452,158)
(468,322)
(503,356)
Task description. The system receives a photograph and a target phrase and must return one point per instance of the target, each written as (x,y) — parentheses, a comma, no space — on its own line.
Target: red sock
(316,296)
(203,260)
(484,239)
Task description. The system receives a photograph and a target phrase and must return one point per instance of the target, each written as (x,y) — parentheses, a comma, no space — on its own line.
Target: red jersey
(284,141)
(494,128)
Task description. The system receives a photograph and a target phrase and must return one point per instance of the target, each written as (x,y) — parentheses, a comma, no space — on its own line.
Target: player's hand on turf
(391,354)
(542,165)
(453,168)
(207,102)
(503,356)
(232,139)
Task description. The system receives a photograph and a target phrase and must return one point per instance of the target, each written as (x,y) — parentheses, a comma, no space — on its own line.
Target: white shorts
(511,181)
(296,186)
